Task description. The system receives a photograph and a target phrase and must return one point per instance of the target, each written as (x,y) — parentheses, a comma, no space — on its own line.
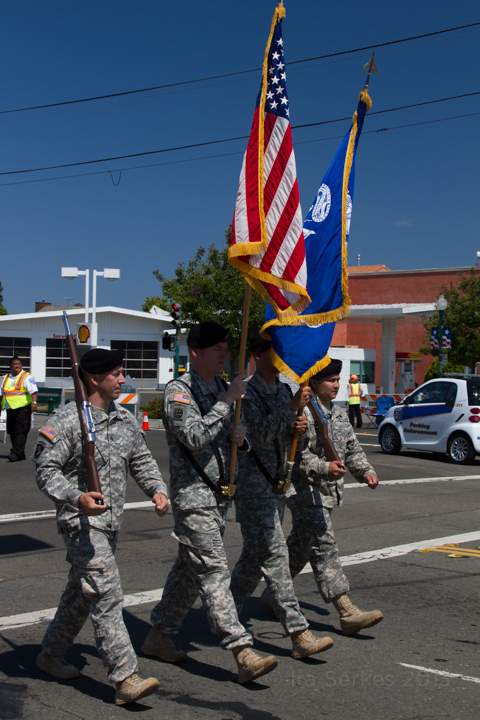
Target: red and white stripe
(285,255)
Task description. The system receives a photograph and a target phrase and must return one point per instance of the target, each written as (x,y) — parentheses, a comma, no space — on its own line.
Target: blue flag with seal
(300,344)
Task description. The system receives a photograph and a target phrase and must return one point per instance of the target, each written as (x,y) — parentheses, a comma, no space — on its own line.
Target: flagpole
(241,369)
(293,449)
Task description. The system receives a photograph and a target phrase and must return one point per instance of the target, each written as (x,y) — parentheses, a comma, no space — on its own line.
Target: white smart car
(441,416)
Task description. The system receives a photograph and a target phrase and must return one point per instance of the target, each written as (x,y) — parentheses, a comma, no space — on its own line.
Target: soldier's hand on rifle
(301,398)
(161,504)
(237,434)
(372,481)
(86,503)
(336,470)
(300,425)
(237,388)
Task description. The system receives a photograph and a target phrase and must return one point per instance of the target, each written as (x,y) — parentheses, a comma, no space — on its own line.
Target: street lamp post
(73,272)
(441,307)
(108,274)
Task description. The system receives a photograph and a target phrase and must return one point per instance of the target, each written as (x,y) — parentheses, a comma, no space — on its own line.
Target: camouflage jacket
(267,421)
(311,466)
(120,448)
(188,429)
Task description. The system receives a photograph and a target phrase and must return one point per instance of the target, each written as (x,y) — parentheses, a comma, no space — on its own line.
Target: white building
(38,339)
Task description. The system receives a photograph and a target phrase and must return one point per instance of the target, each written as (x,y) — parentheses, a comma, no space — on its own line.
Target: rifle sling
(214,487)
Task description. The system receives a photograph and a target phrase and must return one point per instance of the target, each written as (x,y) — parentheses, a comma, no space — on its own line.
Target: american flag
(447,338)
(267,245)
(434,338)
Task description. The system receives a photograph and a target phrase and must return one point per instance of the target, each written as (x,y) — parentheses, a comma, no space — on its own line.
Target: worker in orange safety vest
(19,399)
(354,392)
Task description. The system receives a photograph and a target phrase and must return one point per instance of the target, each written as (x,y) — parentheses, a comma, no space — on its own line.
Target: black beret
(99,361)
(206,334)
(333,368)
(258,344)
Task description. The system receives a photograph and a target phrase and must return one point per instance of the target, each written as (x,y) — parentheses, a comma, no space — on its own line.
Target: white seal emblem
(321,206)
(349,213)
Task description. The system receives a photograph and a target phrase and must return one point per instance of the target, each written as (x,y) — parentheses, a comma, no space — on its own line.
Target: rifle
(84,407)
(322,423)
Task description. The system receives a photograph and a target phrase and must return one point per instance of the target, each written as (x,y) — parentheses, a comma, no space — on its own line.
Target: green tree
(432,371)
(208,288)
(463,315)
(3,309)
(160,302)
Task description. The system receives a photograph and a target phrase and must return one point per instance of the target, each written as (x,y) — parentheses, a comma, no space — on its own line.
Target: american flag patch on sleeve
(49,432)
(182,398)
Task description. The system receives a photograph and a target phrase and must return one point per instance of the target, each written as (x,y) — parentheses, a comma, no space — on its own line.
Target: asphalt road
(420,662)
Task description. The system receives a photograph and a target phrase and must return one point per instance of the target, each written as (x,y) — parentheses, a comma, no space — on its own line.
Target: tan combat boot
(162,646)
(56,666)
(252,666)
(305,643)
(266,603)
(134,688)
(352,619)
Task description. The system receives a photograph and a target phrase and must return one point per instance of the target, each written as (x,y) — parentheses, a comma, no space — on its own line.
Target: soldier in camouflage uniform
(90,531)
(319,488)
(198,417)
(270,413)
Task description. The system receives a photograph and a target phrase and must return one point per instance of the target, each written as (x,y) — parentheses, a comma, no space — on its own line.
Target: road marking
(370,444)
(409,481)
(14,622)
(443,673)
(397,550)
(453,548)
(44,514)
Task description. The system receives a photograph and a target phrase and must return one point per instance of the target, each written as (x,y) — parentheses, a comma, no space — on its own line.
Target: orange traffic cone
(145,425)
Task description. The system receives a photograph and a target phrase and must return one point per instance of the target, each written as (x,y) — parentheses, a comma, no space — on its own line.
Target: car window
(435,392)
(451,394)
(473,392)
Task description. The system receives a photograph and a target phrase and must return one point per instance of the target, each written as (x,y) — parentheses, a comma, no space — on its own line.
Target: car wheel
(390,440)
(460,449)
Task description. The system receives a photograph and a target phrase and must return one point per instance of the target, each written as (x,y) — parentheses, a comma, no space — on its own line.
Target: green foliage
(160,302)
(432,371)
(154,408)
(3,309)
(208,288)
(463,315)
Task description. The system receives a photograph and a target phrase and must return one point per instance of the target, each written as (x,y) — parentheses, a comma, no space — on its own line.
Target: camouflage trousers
(93,589)
(265,554)
(312,540)
(201,569)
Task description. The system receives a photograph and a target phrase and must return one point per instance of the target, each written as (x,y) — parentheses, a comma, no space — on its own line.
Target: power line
(239,72)
(225,140)
(222,155)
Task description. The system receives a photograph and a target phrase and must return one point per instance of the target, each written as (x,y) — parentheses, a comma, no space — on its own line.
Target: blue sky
(417,187)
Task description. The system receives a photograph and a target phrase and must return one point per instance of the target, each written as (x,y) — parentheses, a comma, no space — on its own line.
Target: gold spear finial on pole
(371,67)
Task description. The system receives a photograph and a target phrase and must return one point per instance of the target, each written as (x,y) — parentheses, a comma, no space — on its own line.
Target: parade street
(420,662)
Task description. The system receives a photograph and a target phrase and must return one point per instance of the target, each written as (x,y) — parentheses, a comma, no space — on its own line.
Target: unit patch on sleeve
(49,432)
(182,398)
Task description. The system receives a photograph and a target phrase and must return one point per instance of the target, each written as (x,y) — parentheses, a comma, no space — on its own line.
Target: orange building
(380,316)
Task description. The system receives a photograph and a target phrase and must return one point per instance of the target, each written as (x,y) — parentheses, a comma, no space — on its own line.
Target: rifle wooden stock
(93,481)
(328,446)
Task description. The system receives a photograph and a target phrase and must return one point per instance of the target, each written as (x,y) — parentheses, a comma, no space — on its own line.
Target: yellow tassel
(292,375)
(365,98)
(251,274)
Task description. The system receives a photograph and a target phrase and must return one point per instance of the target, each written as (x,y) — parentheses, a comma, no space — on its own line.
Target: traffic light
(175,315)
(168,342)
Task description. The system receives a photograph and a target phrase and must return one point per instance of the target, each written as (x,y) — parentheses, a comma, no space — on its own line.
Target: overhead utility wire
(240,72)
(222,155)
(217,142)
